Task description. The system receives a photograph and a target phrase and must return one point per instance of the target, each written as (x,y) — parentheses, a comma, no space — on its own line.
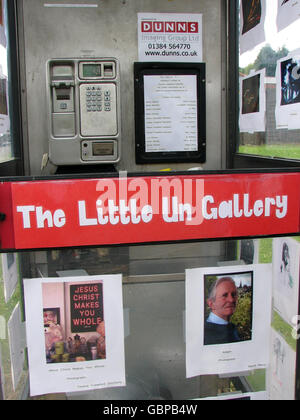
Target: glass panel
(154,308)
(6,144)
(267,139)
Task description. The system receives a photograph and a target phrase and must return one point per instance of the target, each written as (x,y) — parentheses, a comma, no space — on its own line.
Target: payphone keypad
(98,99)
(98,109)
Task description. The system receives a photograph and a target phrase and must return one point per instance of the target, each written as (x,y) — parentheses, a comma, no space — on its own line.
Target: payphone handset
(84,111)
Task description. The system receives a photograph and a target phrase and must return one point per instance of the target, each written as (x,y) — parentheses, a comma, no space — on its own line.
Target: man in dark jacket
(222,301)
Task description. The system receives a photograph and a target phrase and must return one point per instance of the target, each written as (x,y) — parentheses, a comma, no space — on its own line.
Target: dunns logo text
(166,27)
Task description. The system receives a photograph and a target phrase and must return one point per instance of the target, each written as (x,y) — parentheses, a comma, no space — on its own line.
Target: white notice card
(172,37)
(75,333)
(228,319)
(171,119)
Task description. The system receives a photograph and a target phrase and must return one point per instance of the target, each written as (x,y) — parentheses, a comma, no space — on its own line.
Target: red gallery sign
(121,210)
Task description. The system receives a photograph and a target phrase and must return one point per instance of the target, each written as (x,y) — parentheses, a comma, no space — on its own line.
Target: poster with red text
(75,333)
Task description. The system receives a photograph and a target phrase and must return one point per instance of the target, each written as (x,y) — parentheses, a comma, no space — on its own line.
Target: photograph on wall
(287,13)
(10,274)
(253,102)
(290,81)
(228,311)
(250,94)
(288,92)
(85,339)
(74,325)
(252,14)
(230,320)
(252,28)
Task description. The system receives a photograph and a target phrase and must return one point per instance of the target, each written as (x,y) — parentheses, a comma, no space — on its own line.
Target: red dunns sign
(121,210)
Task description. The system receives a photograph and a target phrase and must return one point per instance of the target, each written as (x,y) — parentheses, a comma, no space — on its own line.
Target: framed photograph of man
(228,308)
(228,317)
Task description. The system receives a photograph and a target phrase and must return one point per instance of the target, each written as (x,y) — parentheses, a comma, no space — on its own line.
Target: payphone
(84,111)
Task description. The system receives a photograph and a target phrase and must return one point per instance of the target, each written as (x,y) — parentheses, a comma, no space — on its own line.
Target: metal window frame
(15,165)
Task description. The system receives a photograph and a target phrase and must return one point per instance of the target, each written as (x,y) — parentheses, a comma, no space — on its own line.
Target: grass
(265,251)
(286,151)
(284,329)
(257,380)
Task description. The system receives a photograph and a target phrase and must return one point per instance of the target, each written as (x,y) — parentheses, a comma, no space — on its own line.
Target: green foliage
(267,58)
(284,329)
(265,251)
(242,317)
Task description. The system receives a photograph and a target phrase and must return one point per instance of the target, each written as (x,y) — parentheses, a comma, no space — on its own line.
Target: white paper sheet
(85,370)
(252,24)
(288,92)
(253,102)
(286,255)
(253,353)
(282,369)
(288,12)
(171,118)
